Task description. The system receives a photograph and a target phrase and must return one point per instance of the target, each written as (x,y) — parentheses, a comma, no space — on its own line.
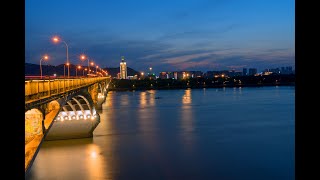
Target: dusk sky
(167,35)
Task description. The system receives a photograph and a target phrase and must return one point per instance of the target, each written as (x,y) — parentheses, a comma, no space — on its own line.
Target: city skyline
(164,35)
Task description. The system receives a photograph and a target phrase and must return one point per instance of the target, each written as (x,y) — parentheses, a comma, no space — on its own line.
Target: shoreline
(199,87)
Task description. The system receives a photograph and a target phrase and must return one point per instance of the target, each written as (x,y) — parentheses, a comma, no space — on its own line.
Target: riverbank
(195,87)
(201,82)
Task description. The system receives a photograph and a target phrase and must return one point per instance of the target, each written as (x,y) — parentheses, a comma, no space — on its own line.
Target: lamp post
(83,71)
(45,57)
(68,68)
(79,67)
(92,63)
(64,71)
(150,68)
(97,70)
(83,58)
(56,39)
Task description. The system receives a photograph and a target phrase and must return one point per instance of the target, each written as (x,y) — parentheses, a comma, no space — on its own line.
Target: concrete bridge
(61,109)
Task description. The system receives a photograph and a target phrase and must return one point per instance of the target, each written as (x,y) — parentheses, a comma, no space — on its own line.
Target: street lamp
(64,69)
(56,39)
(92,63)
(96,69)
(83,71)
(79,67)
(83,58)
(150,72)
(45,57)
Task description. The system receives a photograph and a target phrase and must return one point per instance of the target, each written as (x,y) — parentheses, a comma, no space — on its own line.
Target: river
(243,133)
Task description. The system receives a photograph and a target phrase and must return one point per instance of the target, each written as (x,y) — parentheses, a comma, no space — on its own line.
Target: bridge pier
(73,129)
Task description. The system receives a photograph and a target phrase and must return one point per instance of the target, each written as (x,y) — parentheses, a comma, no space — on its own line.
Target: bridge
(61,109)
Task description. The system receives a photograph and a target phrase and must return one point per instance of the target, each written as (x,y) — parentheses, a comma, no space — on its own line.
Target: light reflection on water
(186,111)
(224,133)
(187,122)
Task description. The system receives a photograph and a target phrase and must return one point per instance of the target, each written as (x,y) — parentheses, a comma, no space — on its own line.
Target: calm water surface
(217,134)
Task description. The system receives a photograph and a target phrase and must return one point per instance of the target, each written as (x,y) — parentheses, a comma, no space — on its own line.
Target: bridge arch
(78,103)
(76,108)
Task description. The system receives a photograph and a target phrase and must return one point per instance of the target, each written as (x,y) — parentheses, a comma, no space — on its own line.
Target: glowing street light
(83,58)
(45,57)
(92,63)
(56,39)
(79,67)
(150,68)
(96,69)
(64,69)
(83,71)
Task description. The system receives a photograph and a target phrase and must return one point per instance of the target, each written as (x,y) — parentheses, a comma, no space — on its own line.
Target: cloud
(234,58)
(184,58)
(198,34)
(107,50)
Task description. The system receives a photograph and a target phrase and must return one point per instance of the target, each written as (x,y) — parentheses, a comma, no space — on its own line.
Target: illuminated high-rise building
(123,69)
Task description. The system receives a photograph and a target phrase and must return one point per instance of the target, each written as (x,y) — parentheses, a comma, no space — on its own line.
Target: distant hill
(34,70)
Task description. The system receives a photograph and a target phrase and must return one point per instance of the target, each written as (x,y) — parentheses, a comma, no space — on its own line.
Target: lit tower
(123,69)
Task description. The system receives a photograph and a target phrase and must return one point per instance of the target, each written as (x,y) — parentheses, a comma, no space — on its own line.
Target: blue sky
(167,35)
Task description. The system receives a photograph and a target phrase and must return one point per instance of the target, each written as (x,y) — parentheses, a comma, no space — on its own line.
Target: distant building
(244,72)
(216,74)
(183,74)
(175,75)
(123,69)
(224,73)
(170,75)
(252,71)
(195,74)
(238,73)
(275,71)
(286,70)
(163,75)
(267,72)
(231,73)
(180,74)
(133,77)
(211,74)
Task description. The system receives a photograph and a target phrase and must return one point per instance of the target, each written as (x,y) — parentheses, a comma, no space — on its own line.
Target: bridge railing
(35,88)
